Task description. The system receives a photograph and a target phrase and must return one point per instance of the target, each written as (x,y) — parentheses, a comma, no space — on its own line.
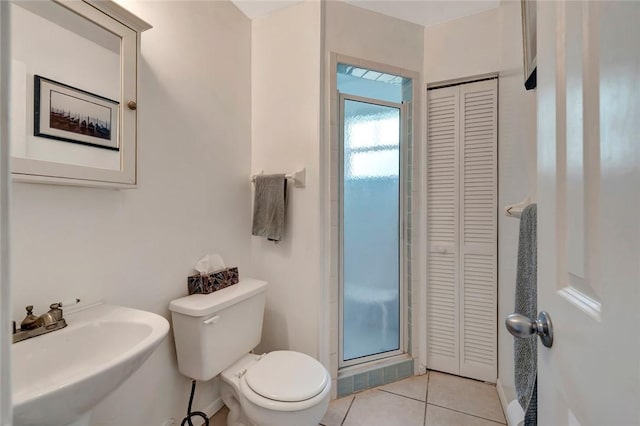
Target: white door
(589,212)
(462,141)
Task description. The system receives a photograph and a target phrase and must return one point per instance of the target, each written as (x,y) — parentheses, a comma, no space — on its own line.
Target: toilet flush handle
(212,320)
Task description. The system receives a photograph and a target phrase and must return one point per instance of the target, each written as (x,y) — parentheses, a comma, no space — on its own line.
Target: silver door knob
(523,327)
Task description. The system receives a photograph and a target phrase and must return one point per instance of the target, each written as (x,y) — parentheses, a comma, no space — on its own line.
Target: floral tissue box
(204,284)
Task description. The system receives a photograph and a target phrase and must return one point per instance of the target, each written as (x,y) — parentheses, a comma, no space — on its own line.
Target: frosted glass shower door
(371,207)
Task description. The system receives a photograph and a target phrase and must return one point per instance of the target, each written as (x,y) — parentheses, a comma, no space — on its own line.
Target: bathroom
(226,90)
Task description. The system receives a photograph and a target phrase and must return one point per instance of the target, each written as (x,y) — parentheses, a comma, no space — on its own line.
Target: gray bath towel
(525,350)
(269,206)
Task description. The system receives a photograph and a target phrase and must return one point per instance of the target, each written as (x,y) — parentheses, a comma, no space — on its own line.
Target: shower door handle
(523,327)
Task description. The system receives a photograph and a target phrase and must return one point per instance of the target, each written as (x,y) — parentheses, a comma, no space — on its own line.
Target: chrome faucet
(32,326)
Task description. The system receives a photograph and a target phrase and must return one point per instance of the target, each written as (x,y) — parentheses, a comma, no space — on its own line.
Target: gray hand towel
(525,350)
(269,206)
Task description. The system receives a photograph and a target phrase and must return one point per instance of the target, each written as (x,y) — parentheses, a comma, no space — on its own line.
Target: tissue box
(204,284)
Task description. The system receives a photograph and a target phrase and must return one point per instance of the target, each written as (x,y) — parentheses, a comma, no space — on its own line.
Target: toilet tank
(214,330)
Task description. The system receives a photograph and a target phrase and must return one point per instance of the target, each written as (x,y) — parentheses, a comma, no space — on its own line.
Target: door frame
(5,188)
(328,335)
(458,84)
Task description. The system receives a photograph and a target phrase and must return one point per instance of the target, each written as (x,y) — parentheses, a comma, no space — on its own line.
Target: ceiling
(257,8)
(422,12)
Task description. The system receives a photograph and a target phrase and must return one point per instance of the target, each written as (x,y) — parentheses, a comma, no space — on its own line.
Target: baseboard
(503,399)
(511,421)
(214,407)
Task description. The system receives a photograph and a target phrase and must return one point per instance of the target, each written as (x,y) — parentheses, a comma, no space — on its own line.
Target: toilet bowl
(214,335)
(281,388)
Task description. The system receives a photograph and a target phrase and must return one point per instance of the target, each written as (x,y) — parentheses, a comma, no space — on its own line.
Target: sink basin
(59,377)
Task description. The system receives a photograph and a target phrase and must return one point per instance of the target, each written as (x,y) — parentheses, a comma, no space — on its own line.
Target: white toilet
(214,334)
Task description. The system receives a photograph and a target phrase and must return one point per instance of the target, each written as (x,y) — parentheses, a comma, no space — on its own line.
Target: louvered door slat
(478,228)
(442,231)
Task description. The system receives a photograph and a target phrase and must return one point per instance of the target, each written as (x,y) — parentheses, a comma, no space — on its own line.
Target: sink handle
(30,321)
(55,309)
(55,312)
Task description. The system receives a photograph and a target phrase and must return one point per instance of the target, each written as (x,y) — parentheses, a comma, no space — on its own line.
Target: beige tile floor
(435,399)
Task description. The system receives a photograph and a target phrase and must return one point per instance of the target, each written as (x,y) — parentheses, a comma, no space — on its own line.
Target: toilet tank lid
(200,305)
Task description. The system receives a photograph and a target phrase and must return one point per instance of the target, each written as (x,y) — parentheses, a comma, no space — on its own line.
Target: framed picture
(529,48)
(68,114)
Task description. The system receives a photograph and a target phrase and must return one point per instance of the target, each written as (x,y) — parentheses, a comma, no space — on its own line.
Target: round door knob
(522,327)
(132,105)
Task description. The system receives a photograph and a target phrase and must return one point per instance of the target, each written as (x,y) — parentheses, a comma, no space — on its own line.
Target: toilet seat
(286,381)
(287,376)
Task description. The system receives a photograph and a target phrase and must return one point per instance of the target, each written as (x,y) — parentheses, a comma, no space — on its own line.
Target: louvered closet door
(462,230)
(478,228)
(442,231)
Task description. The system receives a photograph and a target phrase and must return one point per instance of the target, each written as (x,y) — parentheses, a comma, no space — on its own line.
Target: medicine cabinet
(73,93)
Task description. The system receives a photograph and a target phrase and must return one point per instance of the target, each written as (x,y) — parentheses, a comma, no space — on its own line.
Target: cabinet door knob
(132,105)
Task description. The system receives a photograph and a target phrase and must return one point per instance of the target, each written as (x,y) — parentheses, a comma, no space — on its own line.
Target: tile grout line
(348,409)
(468,414)
(426,399)
(425,402)
(397,394)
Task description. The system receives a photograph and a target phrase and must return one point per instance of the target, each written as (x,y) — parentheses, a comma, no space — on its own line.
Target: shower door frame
(402,346)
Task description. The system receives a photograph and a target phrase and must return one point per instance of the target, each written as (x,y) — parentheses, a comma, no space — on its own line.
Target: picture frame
(69,114)
(529,47)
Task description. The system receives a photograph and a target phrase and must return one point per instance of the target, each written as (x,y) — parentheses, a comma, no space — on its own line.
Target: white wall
(136,247)
(516,172)
(463,47)
(367,35)
(285,105)
(371,40)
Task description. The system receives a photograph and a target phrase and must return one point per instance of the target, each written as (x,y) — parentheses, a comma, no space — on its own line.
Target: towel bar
(298,177)
(515,210)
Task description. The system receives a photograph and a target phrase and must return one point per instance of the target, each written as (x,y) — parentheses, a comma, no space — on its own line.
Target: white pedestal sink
(59,377)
